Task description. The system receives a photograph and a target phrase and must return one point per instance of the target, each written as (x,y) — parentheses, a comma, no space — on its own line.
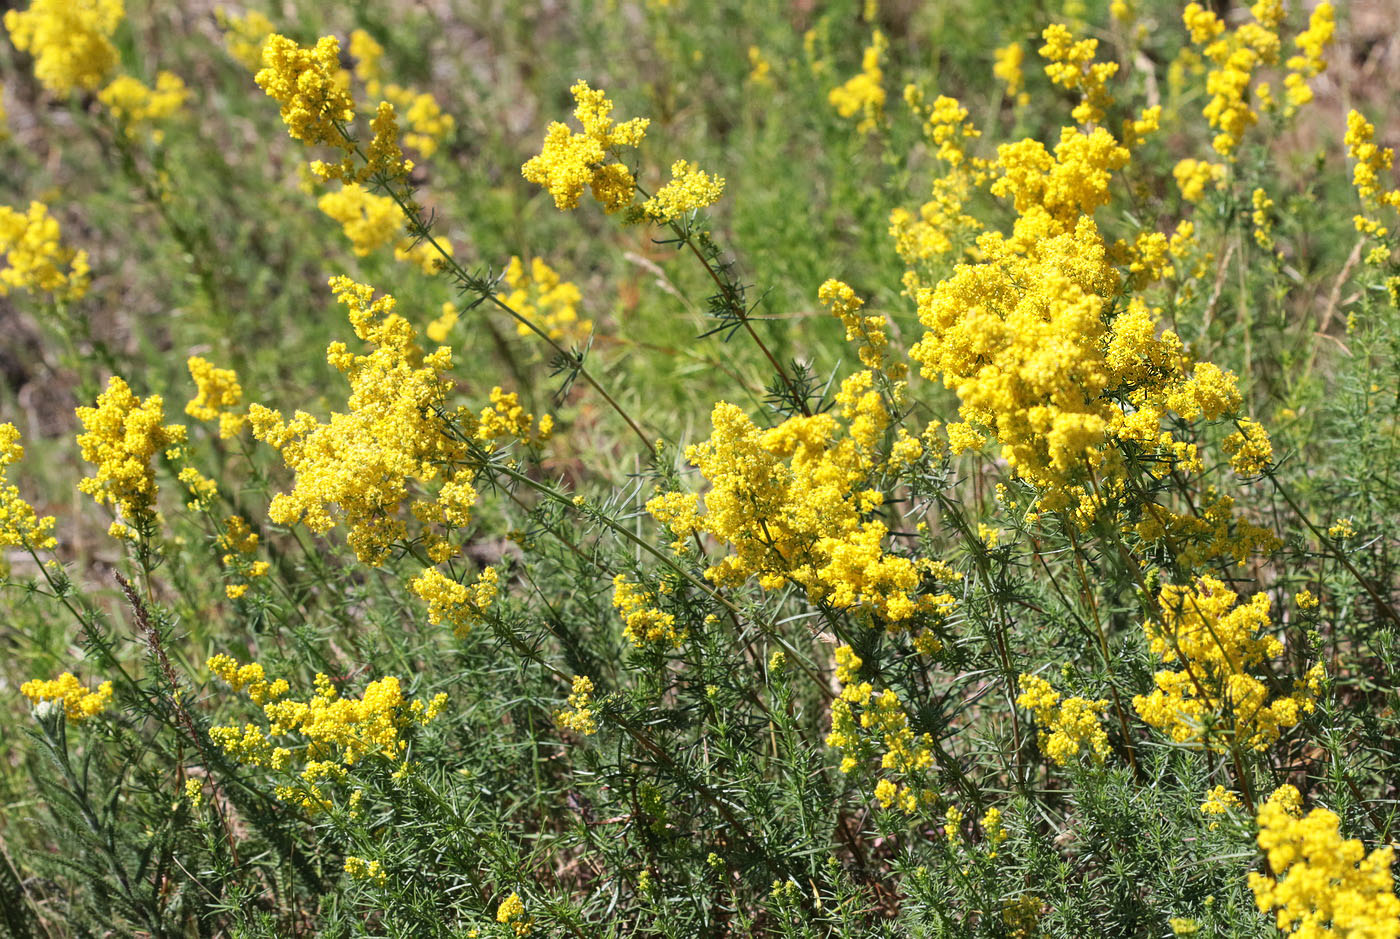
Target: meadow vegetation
(662,468)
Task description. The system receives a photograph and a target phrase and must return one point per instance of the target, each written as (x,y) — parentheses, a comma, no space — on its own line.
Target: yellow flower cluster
(1069,727)
(1370,174)
(368,871)
(1235,55)
(511,913)
(869,331)
(507,419)
(122,435)
(1323,885)
(217,392)
(136,104)
(1192,177)
(317,106)
(579,717)
(1219,801)
(942,223)
(859,717)
(453,602)
(1045,354)
(643,624)
(547,301)
(1006,67)
(250,677)
(427,125)
(794,503)
(863,94)
(568,161)
(70,41)
(1309,63)
(370,221)
(1214,699)
(239,543)
(338,732)
(244,35)
(306,83)
(35,258)
(79,702)
(1071,65)
(690,188)
(358,467)
(20,526)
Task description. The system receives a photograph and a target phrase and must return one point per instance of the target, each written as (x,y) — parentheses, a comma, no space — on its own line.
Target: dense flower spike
(568,162)
(690,188)
(79,702)
(136,105)
(863,95)
(35,258)
(306,83)
(20,525)
(1323,885)
(1069,727)
(579,716)
(336,732)
(360,466)
(122,436)
(793,504)
(644,624)
(218,393)
(457,604)
(70,40)
(1215,699)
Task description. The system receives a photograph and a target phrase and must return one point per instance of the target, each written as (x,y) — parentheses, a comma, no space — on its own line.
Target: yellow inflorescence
(579,716)
(337,732)
(511,913)
(1214,698)
(217,394)
(307,83)
(459,605)
(568,162)
(70,41)
(793,503)
(869,331)
(546,300)
(1069,727)
(865,725)
(1235,56)
(368,871)
(359,466)
(79,702)
(317,107)
(1007,68)
(1323,885)
(1370,174)
(1071,65)
(122,435)
(863,95)
(244,35)
(370,221)
(35,257)
(135,104)
(1193,176)
(643,624)
(690,188)
(428,125)
(20,526)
